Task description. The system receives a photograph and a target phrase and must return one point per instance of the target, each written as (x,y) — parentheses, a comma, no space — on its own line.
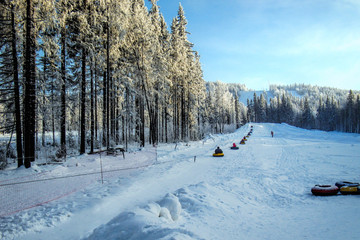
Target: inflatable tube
(324,190)
(350,190)
(218,154)
(234,148)
(242,142)
(344,183)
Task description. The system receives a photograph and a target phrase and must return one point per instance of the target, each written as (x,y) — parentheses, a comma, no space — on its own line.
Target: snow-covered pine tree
(160,82)
(141,38)
(49,58)
(63,10)
(350,113)
(9,71)
(306,116)
(237,111)
(167,83)
(262,109)
(255,107)
(29,85)
(180,73)
(271,117)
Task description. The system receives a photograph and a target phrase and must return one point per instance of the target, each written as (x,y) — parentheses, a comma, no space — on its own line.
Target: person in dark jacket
(218,150)
(272,134)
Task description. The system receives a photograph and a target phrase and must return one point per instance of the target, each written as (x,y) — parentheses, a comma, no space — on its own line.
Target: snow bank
(154,221)
(170,203)
(168,217)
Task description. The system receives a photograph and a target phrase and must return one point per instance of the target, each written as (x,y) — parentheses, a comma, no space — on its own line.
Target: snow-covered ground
(261,191)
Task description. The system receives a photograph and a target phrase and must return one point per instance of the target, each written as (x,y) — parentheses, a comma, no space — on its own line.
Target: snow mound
(165,218)
(154,221)
(170,204)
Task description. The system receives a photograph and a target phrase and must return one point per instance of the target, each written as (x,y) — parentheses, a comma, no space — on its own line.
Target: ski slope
(261,191)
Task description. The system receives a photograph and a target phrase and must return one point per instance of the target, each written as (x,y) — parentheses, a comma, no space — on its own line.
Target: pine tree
(9,72)
(349,112)
(64,9)
(30,86)
(262,108)
(306,117)
(255,107)
(272,113)
(237,111)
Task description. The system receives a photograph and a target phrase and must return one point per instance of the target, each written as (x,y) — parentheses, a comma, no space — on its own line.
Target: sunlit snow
(261,191)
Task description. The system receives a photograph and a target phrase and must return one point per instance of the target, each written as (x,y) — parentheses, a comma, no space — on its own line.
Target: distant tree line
(332,113)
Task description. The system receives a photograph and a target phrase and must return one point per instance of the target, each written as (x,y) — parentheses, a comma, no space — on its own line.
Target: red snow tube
(324,190)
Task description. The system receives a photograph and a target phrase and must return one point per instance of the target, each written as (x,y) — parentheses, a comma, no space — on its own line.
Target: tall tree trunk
(92,127)
(63,95)
(112,109)
(127,93)
(29,93)
(156,120)
(83,92)
(108,86)
(183,116)
(52,113)
(176,115)
(123,128)
(138,120)
(142,120)
(104,139)
(117,113)
(19,148)
(44,105)
(166,124)
(95,104)
(82,102)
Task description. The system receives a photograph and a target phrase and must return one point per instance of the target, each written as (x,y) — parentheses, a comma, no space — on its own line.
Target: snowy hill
(261,191)
(298,91)
(245,95)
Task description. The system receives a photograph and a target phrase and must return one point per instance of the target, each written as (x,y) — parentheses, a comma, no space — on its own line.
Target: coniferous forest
(88,74)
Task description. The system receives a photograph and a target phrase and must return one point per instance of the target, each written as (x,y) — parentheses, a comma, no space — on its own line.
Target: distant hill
(296,92)
(245,95)
(313,93)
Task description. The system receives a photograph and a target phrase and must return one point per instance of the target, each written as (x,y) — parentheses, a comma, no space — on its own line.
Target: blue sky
(262,42)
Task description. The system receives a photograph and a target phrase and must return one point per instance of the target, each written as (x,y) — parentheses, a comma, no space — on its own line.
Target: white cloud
(317,41)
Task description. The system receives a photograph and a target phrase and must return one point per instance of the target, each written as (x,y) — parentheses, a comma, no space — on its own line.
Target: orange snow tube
(350,190)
